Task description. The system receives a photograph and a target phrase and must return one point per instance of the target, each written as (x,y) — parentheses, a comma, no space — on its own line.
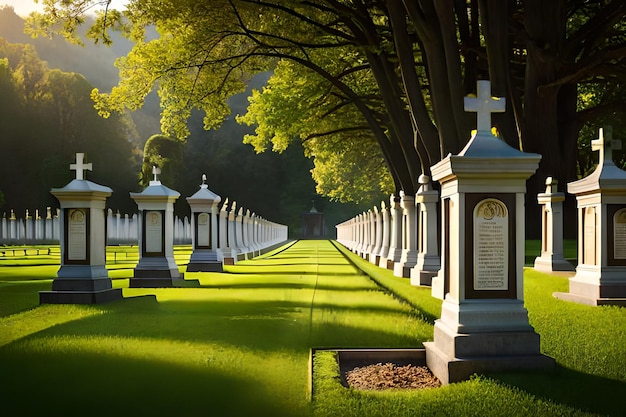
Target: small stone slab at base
(422,278)
(205,267)
(80,297)
(450,370)
(566,296)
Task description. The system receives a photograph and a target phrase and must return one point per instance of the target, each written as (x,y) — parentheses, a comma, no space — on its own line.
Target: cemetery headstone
(551,257)
(408,259)
(484,325)
(82,277)
(601,199)
(206,256)
(428,260)
(156,267)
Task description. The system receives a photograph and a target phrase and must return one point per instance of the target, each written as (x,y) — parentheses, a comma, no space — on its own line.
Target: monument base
(159,278)
(205,267)
(80,297)
(587,289)
(580,299)
(450,369)
(549,264)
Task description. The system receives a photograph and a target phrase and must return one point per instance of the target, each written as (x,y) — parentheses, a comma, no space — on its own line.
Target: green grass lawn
(239,344)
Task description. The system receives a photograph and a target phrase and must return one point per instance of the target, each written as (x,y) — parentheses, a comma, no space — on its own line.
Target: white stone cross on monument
(156,171)
(605,144)
(483,105)
(80,167)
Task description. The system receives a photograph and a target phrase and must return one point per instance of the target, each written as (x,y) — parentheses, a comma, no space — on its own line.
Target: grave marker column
(601,199)
(206,256)
(551,258)
(483,326)
(156,267)
(82,277)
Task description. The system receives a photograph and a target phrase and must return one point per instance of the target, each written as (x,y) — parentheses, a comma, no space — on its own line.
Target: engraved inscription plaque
(77,235)
(154,231)
(619,234)
(204,230)
(589,237)
(491,245)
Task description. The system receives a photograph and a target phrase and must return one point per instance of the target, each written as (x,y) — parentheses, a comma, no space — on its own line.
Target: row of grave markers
(479,272)
(217,237)
(404,236)
(120,230)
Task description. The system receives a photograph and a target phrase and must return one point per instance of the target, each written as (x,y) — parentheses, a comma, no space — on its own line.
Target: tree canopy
(389,72)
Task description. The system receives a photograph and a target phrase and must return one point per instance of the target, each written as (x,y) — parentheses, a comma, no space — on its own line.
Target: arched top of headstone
(225,205)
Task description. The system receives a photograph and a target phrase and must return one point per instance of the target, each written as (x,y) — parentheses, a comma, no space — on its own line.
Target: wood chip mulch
(389,376)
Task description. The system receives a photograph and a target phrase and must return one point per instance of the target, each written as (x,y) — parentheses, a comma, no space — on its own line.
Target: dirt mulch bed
(389,376)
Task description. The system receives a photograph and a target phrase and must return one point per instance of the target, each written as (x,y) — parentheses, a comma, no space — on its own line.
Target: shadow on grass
(572,388)
(291,285)
(90,384)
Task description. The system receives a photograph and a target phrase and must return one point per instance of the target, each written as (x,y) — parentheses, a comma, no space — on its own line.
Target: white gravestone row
(402,237)
(83,277)
(121,229)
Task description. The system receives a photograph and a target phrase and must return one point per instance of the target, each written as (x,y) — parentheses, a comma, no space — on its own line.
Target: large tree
(424,56)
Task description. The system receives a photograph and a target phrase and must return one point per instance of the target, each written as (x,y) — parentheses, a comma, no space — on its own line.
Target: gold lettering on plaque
(491,245)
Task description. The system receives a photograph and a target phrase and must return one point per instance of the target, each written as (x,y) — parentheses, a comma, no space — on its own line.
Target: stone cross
(605,144)
(80,167)
(484,104)
(156,171)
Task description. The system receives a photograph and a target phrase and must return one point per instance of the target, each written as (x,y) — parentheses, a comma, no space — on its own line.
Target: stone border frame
(66,243)
(144,253)
(611,210)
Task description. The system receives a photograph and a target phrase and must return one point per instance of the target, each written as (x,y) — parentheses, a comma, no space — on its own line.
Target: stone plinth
(206,256)
(483,326)
(601,199)
(82,277)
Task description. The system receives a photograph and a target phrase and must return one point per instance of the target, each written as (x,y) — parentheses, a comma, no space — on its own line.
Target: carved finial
(80,167)
(483,105)
(204,185)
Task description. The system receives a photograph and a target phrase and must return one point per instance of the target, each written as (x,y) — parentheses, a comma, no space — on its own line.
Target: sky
(24,7)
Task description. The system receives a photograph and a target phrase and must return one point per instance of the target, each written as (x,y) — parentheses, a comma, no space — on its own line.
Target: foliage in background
(166,154)
(48,116)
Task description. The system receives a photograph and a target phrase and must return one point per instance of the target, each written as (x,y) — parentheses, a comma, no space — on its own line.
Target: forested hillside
(46,116)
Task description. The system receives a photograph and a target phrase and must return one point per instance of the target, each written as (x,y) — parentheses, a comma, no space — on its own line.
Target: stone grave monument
(206,256)
(82,277)
(156,267)
(428,260)
(484,325)
(601,199)
(408,259)
(551,258)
